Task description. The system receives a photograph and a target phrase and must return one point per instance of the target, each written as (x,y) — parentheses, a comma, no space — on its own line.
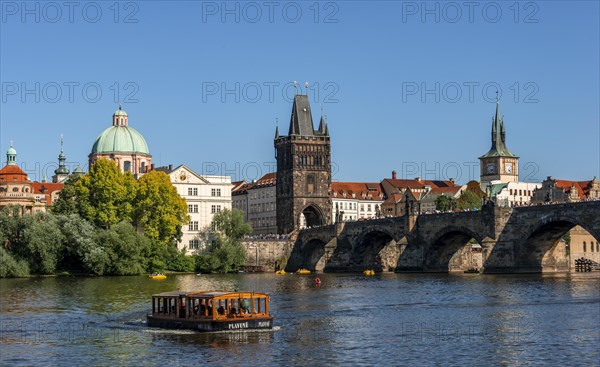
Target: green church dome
(120,139)
(11,151)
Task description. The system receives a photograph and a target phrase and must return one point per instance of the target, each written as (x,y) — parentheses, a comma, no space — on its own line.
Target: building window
(310,184)
(142,167)
(215,192)
(597,247)
(127,166)
(194,244)
(368,207)
(192,191)
(215,209)
(584,246)
(193,208)
(362,207)
(193,226)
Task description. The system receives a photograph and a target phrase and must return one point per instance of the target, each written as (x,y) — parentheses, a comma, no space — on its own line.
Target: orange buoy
(317,281)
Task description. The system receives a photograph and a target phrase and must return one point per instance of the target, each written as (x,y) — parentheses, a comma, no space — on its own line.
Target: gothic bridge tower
(303,171)
(499,164)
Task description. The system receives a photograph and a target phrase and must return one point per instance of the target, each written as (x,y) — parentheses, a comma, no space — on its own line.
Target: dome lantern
(120,117)
(11,156)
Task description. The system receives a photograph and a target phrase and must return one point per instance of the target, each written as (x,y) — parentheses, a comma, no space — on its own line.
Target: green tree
(125,250)
(104,196)
(67,202)
(80,245)
(444,203)
(158,208)
(469,200)
(225,252)
(40,242)
(231,224)
(11,267)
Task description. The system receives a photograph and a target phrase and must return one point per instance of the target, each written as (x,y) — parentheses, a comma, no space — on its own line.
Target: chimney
(170,167)
(393,175)
(418,178)
(451,180)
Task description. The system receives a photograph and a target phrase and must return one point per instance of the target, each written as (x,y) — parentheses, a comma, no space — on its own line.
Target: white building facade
(356,200)
(258,202)
(205,196)
(510,194)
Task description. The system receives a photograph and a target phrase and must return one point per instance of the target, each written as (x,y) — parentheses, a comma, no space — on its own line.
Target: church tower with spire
(303,171)
(499,164)
(62,172)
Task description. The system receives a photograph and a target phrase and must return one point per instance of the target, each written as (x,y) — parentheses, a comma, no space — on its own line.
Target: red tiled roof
(445,190)
(583,187)
(393,199)
(270,179)
(13,174)
(359,188)
(418,184)
(46,188)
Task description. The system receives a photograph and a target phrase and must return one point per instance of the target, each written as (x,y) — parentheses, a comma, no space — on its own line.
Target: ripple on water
(394,319)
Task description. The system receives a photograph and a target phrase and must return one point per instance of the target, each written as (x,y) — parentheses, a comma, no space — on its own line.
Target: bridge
(492,240)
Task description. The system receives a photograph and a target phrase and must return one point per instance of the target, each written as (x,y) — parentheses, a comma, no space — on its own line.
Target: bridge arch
(541,249)
(314,255)
(454,249)
(375,249)
(310,216)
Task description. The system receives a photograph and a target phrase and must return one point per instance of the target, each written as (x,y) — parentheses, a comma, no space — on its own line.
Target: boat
(210,311)
(302,271)
(369,272)
(280,272)
(157,276)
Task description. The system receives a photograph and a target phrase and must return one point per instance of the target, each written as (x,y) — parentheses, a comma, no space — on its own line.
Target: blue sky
(406,86)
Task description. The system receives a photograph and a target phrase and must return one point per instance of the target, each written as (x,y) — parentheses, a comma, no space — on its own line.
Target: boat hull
(210,325)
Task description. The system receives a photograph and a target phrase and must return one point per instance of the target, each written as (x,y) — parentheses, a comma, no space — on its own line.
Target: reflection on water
(350,319)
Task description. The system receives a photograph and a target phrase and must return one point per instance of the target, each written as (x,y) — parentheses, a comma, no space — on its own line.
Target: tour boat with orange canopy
(210,310)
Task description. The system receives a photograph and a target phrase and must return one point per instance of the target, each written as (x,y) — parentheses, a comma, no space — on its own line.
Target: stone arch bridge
(524,239)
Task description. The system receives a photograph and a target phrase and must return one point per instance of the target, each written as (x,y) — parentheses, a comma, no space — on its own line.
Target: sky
(406,86)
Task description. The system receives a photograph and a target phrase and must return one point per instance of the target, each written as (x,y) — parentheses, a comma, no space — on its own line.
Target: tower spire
(498,135)
(62,171)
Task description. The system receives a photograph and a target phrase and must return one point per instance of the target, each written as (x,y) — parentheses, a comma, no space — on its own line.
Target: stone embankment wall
(267,255)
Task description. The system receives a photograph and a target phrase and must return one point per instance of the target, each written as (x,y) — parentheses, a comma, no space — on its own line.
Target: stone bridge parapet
(493,239)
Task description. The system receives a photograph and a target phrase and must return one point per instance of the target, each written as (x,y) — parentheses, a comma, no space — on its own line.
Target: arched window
(584,246)
(127,166)
(597,246)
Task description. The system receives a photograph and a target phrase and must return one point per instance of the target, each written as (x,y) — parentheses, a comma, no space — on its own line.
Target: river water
(392,319)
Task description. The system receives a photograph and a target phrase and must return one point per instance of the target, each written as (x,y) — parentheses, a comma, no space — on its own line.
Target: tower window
(584,246)
(127,166)
(310,184)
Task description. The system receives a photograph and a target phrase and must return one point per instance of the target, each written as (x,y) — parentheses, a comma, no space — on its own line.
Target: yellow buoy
(369,272)
(303,271)
(280,272)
